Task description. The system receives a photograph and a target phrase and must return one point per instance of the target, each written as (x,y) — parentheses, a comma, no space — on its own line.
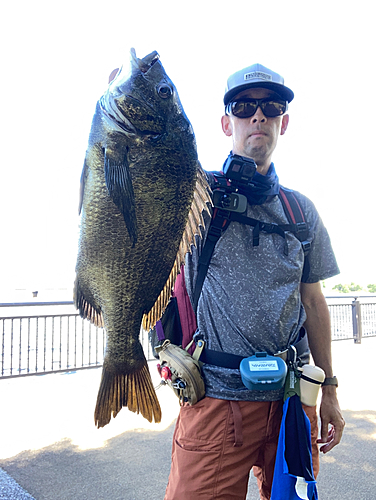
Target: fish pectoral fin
(120,188)
(133,390)
(82,186)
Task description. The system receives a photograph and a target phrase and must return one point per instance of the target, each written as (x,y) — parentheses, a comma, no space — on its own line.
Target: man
(255,298)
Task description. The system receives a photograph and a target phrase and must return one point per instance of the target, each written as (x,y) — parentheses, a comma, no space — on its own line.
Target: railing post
(357,321)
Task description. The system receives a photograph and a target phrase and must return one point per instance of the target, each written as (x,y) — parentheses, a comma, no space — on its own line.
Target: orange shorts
(217,442)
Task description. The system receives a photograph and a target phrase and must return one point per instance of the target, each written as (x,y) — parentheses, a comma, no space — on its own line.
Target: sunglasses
(245,108)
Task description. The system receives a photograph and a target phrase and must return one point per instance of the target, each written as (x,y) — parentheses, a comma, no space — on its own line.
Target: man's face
(255,137)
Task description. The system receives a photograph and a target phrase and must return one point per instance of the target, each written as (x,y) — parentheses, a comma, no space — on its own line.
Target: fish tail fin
(134,390)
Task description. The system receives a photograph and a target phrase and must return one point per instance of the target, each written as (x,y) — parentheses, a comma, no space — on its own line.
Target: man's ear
(226,125)
(285,122)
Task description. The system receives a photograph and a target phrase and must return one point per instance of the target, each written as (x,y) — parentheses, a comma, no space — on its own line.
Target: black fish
(142,195)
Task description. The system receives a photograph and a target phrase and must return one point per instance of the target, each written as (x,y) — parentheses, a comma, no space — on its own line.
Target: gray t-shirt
(250,300)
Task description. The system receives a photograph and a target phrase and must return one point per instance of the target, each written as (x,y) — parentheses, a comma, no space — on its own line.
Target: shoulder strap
(291,205)
(295,216)
(219,223)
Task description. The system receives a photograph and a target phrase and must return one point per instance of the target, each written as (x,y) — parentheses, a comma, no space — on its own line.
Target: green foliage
(352,287)
(347,288)
(341,288)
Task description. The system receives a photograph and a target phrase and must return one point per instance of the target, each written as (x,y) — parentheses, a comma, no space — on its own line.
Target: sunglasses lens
(243,109)
(247,108)
(273,108)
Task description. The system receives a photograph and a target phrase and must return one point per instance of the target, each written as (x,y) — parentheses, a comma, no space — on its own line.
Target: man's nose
(258,116)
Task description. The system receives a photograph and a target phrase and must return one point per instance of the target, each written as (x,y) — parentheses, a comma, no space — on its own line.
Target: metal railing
(352,320)
(48,343)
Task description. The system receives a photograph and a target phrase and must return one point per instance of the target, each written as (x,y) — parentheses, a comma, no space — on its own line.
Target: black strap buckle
(215,232)
(306,245)
(267,226)
(301,226)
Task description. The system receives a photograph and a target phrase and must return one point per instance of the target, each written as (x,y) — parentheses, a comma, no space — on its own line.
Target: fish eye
(164,91)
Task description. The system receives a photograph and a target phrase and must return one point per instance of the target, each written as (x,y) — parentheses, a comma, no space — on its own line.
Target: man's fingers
(332,422)
(324,434)
(331,439)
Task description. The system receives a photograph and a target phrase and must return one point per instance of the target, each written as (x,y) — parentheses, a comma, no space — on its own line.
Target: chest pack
(178,322)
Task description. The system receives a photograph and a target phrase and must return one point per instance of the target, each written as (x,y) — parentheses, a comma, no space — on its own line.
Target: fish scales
(137,187)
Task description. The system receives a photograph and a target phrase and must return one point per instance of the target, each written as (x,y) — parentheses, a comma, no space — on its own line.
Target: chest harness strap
(221,219)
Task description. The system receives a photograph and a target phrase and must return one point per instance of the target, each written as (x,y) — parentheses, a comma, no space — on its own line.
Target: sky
(58,56)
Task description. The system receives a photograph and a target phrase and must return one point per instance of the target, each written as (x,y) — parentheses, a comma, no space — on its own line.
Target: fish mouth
(119,118)
(145,63)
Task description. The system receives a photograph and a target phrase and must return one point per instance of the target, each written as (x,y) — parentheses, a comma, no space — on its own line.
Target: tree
(341,288)
(352,287)
(371,288)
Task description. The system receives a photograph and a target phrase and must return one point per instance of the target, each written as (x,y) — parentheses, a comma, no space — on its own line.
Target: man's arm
(319,337)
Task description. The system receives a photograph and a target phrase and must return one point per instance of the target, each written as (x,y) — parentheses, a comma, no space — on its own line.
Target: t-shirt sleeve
(321,261)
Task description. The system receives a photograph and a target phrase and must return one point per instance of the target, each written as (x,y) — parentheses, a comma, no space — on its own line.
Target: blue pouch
(263,372)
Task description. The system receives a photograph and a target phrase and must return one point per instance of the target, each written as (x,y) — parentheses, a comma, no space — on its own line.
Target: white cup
(310,384)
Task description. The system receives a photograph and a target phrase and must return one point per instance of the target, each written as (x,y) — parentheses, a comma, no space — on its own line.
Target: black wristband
(330,381)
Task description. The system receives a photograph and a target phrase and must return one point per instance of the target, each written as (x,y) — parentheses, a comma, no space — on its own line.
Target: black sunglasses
(245,108)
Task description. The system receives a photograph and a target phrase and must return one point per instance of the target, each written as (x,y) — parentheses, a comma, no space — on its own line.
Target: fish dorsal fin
(200,204)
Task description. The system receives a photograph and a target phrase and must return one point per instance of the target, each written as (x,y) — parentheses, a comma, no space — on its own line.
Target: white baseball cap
(256,75)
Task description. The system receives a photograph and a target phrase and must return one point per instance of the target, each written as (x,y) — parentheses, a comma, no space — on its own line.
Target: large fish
(142,196)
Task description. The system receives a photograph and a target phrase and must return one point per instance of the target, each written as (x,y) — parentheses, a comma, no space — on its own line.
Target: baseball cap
(256,75)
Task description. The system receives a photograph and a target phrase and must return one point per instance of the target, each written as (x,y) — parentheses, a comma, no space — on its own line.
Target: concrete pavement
(49,445)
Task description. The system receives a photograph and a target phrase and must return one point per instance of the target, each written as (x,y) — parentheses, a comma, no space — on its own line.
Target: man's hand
(320,339)
(332,422)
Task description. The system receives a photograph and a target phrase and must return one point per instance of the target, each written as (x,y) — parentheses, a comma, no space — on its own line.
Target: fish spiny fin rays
(120,188)
(195,222)
(87,306)
(133,390)
(200,204)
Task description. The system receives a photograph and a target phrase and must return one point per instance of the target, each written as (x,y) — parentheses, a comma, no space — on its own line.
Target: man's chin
(257,154)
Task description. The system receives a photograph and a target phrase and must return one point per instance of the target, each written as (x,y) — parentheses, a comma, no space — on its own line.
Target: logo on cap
(259,75)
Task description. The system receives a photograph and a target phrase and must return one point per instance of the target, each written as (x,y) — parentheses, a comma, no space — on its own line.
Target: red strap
(186,313)
(298,204)
(288,206)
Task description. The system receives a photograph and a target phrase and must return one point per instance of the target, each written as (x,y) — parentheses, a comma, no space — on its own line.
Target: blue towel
(293,472)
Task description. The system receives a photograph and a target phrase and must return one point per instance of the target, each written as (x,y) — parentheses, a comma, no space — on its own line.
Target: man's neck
(263,168)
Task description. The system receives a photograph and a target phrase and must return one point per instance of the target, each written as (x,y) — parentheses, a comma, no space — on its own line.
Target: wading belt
(227,360)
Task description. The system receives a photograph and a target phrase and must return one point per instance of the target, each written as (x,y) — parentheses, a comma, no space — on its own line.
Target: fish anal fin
(132,390)
(87,306)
